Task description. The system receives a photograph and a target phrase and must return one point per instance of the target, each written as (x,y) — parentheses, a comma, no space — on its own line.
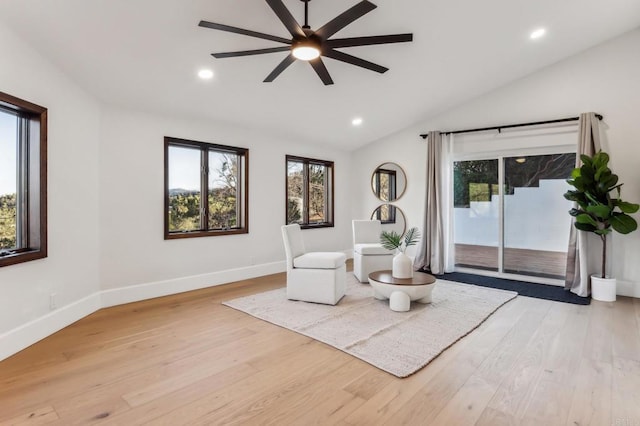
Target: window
(195,168)
(309,192)
(23,181)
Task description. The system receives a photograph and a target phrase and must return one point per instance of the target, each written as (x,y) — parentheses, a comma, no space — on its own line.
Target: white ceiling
(144,54)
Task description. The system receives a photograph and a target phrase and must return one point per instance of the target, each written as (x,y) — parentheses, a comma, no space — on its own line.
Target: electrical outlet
(52,301)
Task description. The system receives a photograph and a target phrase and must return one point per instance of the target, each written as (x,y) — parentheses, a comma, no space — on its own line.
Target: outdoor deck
(516,261)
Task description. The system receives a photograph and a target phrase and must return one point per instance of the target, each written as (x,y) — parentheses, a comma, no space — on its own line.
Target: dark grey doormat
(539,291)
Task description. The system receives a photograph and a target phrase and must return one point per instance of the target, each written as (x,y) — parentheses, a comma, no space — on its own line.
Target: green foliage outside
(294,215)
(318,193)
(8,221)
(295,191)
(477,180)
(184,211)
(468,175)
(223,195)
(184,205)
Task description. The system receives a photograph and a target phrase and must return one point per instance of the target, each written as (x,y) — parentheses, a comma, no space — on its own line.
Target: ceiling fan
(308,45)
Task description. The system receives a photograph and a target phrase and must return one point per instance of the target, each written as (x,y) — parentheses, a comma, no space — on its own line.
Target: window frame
(31,191)
(306,162)
(243,188)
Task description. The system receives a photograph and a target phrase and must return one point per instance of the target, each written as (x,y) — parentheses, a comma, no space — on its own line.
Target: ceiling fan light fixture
(305,51)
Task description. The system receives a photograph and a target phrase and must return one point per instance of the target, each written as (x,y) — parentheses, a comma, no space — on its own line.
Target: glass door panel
(476,214)
(536,222)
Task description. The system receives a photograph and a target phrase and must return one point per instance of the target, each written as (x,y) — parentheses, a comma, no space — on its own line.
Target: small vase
(402,266)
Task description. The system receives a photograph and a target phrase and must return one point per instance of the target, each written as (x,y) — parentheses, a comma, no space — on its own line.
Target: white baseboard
(628,288)
(136,293)
(27,334)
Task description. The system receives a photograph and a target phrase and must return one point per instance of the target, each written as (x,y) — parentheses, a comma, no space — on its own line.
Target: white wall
(603,79)
(71,269)
(105,207)
(137,261)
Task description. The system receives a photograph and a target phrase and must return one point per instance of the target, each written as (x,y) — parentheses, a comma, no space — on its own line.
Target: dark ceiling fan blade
(281,67)
(230,29)
(345,18)
(341,56)
(287,19)
(251,52)
(368,41)
(321,70)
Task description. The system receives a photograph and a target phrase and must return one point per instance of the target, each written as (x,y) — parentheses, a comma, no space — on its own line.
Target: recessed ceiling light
(356,121)
(537,33)
(205,74)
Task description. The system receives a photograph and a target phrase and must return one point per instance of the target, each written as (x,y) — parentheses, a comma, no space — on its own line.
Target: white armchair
(368,253)
(318,277)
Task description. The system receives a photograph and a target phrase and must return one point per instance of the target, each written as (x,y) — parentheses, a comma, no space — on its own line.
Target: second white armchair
(368,254)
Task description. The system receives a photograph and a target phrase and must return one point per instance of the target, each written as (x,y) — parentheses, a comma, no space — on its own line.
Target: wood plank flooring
(188,360)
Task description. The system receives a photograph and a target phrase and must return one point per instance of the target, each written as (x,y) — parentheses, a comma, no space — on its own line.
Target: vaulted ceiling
(145,54)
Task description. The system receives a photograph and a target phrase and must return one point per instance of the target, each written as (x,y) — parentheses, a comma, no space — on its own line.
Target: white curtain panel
(435,250)
(446,174)
(577,277)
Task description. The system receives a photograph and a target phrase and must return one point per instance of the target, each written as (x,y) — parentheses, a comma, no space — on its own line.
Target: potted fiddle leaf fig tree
(600,210)
(402,266)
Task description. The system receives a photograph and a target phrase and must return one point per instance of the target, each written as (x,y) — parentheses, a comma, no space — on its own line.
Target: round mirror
(388,182)
(391,217)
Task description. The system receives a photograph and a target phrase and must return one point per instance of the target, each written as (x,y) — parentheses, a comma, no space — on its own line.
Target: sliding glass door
(476,214)
(510,216)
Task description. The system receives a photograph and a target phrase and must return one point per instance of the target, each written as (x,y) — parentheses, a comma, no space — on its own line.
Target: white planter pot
(402,266)
(603,289)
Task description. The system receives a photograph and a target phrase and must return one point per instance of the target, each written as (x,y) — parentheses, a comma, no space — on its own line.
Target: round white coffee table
(401,292)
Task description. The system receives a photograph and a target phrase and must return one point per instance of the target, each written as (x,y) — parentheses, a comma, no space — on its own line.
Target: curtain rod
(509,126)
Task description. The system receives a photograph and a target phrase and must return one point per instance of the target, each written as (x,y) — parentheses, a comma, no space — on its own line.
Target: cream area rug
(400,343)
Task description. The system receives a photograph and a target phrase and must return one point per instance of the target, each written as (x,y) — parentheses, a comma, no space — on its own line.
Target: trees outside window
(23,181)
(194,168)
(309,192)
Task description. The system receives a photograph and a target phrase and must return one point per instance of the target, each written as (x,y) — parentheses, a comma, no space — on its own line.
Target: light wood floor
(186,359)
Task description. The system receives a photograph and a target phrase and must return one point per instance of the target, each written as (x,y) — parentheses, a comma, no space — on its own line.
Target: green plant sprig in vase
(391,240)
